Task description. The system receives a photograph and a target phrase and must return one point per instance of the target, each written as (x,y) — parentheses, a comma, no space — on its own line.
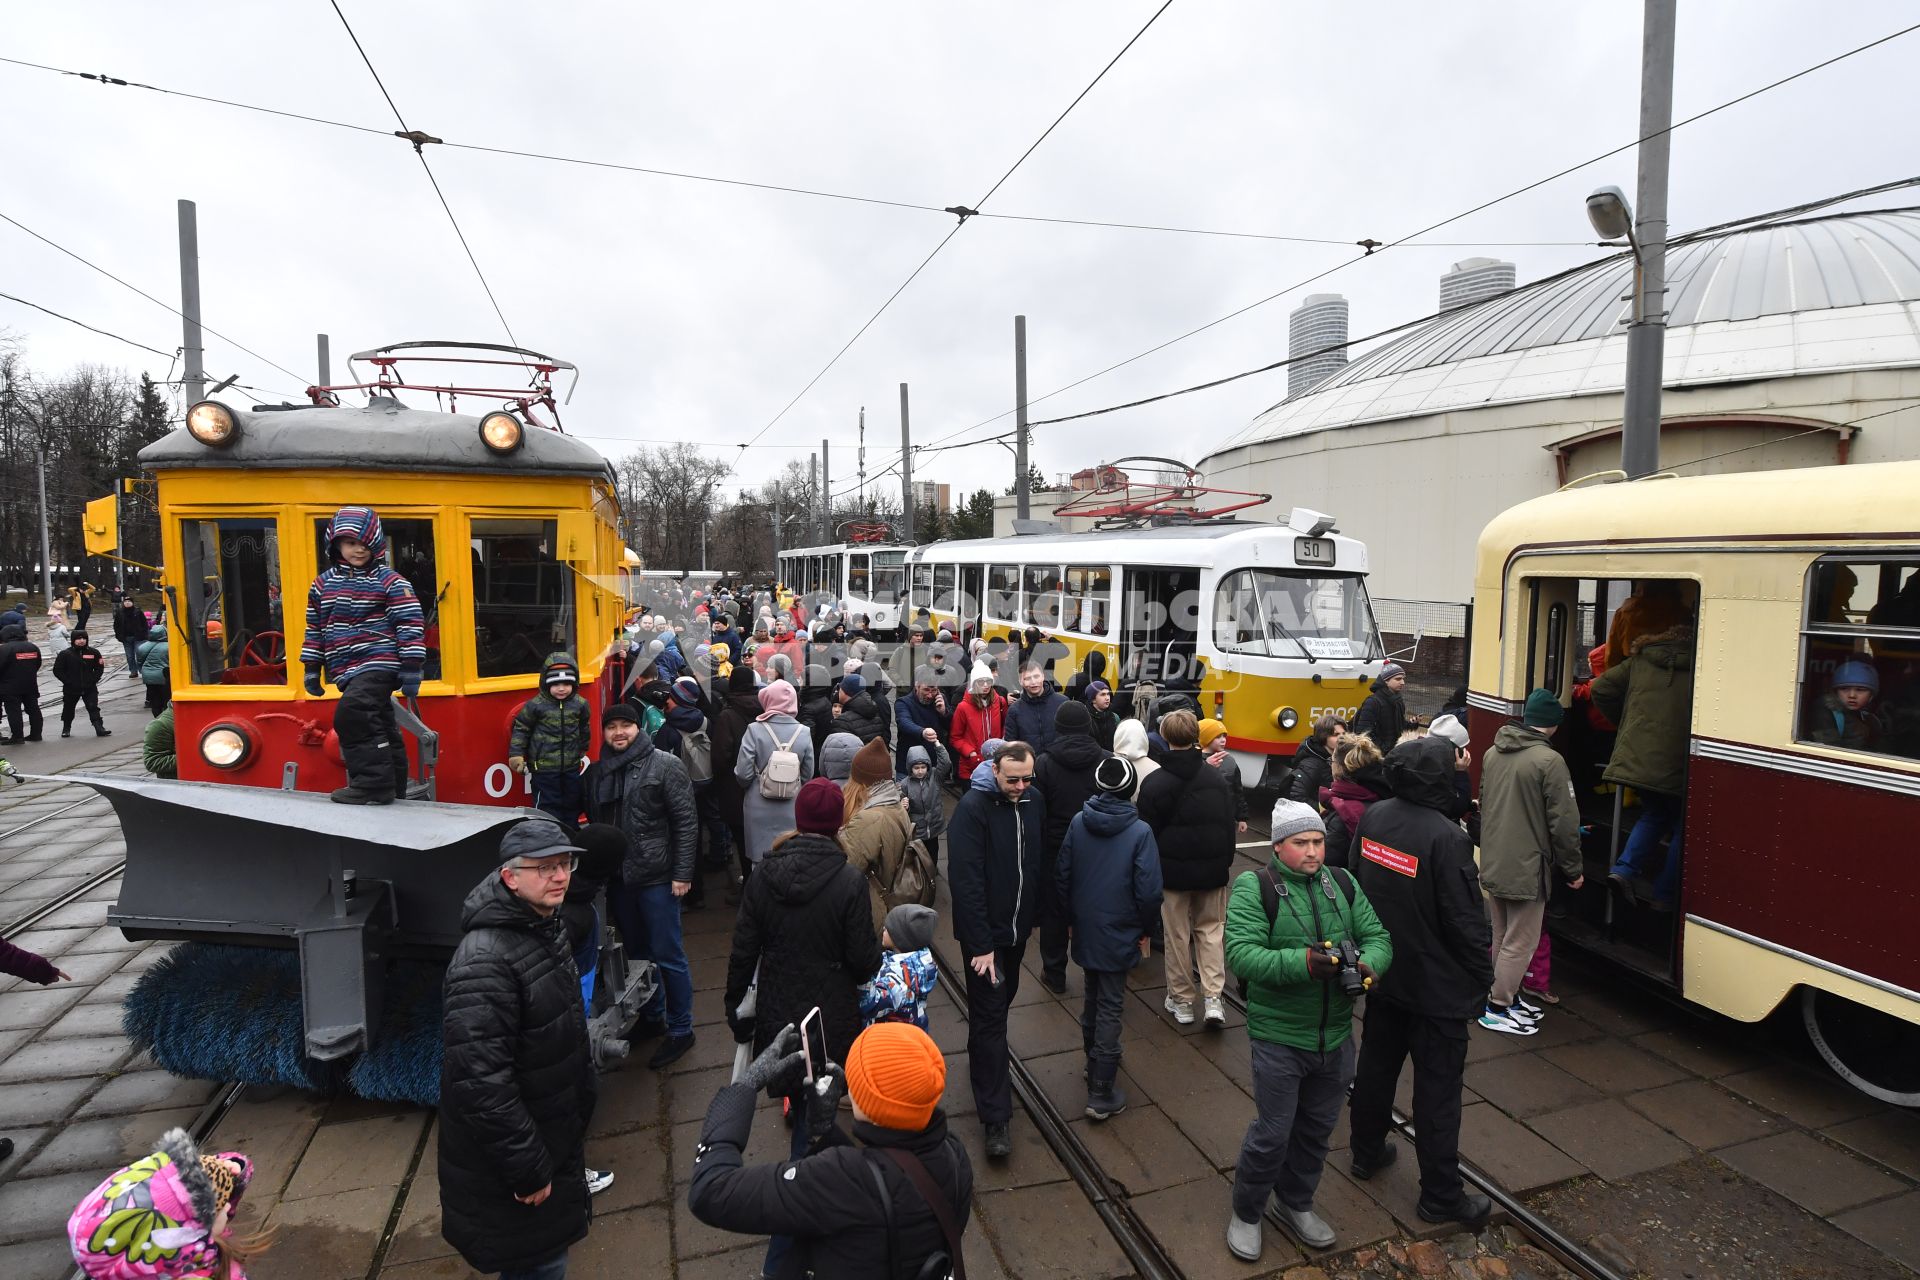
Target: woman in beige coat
(877,827)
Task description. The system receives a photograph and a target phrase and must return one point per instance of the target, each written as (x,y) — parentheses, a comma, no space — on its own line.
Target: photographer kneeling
(876,1211)
(1300,993)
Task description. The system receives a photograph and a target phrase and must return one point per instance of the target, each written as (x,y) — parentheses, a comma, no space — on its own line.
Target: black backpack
(1270,899)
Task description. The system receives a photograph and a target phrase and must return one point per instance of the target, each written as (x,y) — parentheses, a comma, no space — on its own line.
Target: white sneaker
(598,1180)
(1525,1008)
(1216,1013)
(1503,1021)
(1244,1238)
(1182,1012)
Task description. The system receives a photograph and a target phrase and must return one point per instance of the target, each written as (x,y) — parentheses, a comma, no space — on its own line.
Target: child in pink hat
(165,1215)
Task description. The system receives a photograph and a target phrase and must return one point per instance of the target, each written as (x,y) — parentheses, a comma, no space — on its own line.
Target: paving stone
(1618,1013)
(1892,1227)
(1189,1219)
(1142,1150)
(743,1264)
(1036,1030)
(47,1258)
(358,1154)
(1053,1231)
(1352,1213)
(1697,1112)
(41,1101)
(689,1095)
(1526,1084)
(332,1235)
(65,1059)
(85,1020)
(16,1039)
(1230,1051)
(1501,1146)
(447,1267)
(708,952)
(1396,1190)
(711,1048)
(1062,1077)
(1214,1120)
(638,1162)
(36,1006)
(629,1098)
(769,1143)
(1699,1050)
(1483,1044)
(1893,1139)
(274,1132)
(75,915)
(23,1144)
(957,1098)
(710,1008)
(693,1238)
(1031,1163)
(1810,1173)
(36,1207)
(144,1090)
(105,1145)
(416,1236)
(1812,1100)
(1559,1027)
(1609,1139)
(50,942)
(1614,1066)
(114,990)
(637,1242)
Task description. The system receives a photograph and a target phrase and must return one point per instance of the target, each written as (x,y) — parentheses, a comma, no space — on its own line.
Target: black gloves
(823,1102)
(741,1025)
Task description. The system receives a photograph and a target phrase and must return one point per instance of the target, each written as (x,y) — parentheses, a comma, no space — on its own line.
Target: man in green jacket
(1650,696)
(1279,920)
(1528,819)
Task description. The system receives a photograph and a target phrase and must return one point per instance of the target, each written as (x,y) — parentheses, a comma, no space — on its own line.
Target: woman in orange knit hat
(828,1201)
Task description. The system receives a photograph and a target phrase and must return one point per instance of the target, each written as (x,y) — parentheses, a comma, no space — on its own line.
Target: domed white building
(1784,342)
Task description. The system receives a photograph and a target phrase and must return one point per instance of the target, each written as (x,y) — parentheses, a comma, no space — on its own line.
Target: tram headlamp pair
(502,433)
(226,745)
(213,424)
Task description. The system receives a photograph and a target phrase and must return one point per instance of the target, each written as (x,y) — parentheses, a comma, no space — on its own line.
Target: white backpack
(780,780)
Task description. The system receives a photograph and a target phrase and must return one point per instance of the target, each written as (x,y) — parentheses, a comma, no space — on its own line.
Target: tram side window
(923,586)
(1860,656)
(1043,595)
(522,596)
(1089,596)
(235,614)
(1003,592)
(943,588)
(410,553)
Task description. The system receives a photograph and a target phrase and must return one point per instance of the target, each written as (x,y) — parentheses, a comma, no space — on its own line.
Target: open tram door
(1575,630)
(1159,628)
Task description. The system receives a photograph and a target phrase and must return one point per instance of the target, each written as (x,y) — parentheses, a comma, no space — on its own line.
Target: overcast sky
(696,311)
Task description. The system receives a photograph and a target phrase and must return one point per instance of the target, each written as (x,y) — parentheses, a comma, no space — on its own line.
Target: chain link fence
(1429,636)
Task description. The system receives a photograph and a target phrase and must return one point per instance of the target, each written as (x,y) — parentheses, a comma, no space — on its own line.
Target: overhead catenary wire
(421,155)
(1447,221)
(84,325)
(963,213)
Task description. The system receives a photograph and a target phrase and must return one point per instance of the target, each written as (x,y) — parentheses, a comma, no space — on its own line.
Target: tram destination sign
(1318,551)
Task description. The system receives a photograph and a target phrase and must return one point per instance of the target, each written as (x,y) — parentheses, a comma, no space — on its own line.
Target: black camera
(1352,984)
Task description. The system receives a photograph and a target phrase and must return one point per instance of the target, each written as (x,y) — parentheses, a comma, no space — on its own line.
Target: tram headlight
(502,433)
(226,745)
(1286,717)
(212,423)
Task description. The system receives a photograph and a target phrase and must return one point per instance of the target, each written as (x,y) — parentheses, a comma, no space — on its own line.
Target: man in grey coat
(647,794)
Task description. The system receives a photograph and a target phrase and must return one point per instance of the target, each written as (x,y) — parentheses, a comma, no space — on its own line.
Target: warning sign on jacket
(1392,859)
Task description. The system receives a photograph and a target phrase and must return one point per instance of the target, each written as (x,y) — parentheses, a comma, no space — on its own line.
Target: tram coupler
(343,949)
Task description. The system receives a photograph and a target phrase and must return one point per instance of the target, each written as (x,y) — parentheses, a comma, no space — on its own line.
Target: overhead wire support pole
(1020,420)
(326,360)
(46,550)
(1647,336)
(906,470)
(192,346)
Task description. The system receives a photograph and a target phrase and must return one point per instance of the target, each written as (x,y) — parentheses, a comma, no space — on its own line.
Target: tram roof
(383,435)
(1856,501)
(1194,545)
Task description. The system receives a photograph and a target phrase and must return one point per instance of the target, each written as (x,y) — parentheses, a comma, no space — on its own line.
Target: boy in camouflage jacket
(551,731)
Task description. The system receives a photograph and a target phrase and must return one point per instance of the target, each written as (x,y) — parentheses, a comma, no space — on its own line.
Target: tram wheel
(1874,1052)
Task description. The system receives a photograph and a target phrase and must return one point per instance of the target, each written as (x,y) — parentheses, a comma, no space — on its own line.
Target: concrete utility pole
(1647,336)
(326,361)
(776,532)
(813,498)
(906,468)
(826,494)
(860,461)
(192,353)
(1020,415)
(46,550)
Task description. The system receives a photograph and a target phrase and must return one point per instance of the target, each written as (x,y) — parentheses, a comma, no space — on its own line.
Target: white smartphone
(813,1043)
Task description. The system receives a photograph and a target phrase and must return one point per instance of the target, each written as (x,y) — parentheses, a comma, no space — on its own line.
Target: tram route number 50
(498,781)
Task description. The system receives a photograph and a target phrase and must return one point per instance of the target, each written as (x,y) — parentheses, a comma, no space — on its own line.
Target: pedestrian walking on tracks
(517,1086)
(1191,810)
(894,1206)
(993,870)
(1529,828)
(1416,866)
(1300,998)
(1107,881)
(1063,777)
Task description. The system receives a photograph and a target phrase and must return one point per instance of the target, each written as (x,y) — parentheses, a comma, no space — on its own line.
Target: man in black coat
(994,870)
(20,685)
(516,1085)
(1195,820)
(130,628)
(1064,779)
(1383,716)
(827,1200)
(1416,866)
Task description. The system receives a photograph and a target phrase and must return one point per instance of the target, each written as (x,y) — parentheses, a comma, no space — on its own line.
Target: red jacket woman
(980,717)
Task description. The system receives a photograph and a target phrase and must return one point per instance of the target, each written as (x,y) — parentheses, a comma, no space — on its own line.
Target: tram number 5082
(1344,713)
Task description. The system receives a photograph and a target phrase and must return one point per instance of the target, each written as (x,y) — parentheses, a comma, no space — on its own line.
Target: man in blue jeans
(646,793)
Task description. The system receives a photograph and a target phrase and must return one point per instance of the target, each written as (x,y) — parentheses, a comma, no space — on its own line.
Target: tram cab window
(235,613)
(889,576)
(1089,597)
(859,579)
(1860,656)
(410,553)
(1277,615)
(522,596)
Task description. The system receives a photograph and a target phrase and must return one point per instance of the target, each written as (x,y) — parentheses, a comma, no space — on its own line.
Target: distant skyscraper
(1473,281)
(1321,322)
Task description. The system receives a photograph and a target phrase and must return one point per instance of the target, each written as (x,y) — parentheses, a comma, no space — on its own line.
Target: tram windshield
(889,576)
(233,605)
(409,553)
(1278,615)
(522,596)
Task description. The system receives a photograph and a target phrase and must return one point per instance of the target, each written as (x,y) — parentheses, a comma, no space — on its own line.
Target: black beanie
(1073,717)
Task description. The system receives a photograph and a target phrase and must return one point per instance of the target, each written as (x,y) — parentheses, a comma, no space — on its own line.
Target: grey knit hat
(911,925)
(1290,818)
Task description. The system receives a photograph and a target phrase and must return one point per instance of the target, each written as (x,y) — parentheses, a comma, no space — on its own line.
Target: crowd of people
(77,666)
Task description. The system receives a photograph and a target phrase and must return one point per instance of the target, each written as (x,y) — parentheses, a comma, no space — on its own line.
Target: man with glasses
(516,1083)
(995,871)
